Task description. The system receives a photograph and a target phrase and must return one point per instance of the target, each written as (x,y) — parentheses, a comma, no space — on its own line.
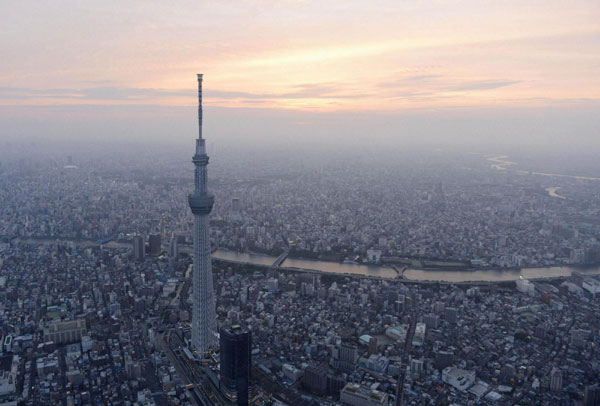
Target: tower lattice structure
(201,203)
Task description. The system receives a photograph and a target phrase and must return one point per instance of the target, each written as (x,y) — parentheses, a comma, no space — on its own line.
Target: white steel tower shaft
(201,202)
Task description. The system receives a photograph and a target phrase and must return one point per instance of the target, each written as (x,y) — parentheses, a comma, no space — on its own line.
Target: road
(192,375)
(407,349)
(197,398)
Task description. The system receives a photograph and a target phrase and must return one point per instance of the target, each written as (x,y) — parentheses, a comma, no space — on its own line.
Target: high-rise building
(373,345)
(348,354)
(591,396)
(507,373)
(235,204)
(540,331)
(443,359)
(439,307)
(315,379)
(174,248)
(154,244)
(431,321)
(555,380)
(201,203)
(236,363)
(450,314)
(416,366)
(138,248)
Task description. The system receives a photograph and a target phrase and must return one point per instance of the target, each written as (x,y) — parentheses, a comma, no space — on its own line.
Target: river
(552,192)
(243,257)
(483,275)
(309,264)
(500,163)
(337,267)
(497,275)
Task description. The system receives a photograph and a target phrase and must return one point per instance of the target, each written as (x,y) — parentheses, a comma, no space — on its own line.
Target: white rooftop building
(525,286)
(458,378)
(357,395)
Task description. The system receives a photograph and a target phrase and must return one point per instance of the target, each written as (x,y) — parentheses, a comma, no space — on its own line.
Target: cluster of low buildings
(347,338)
(472,215)
(80,327)
(468,214)
(83,326)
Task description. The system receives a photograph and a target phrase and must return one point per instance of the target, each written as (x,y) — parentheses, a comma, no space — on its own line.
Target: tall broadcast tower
(201,202)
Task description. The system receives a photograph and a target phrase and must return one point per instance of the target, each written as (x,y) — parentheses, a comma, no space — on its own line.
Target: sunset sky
(326,56)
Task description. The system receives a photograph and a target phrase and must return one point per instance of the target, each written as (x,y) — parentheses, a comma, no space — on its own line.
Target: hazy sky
(302,63)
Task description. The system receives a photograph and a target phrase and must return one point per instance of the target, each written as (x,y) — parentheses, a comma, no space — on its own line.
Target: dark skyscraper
(174,248)
(315,379)
(592,396)
(236,360)
(373,345)
(348,354)
(451,314)
(235,204)
(154,244)
(138,248)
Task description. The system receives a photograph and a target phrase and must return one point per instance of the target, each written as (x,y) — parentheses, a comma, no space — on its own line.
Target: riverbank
(406,274)
(552,192)
(411,274)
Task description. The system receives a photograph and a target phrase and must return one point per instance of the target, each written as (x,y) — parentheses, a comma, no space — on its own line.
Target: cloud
(442,83)
(483,85)
(302,91)
(93,93)
(420,78)
(408,80)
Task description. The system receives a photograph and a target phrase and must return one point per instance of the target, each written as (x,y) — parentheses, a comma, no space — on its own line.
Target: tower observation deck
(201,203)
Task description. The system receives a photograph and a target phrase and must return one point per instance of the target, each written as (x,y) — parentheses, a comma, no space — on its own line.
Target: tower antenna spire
(200,75)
